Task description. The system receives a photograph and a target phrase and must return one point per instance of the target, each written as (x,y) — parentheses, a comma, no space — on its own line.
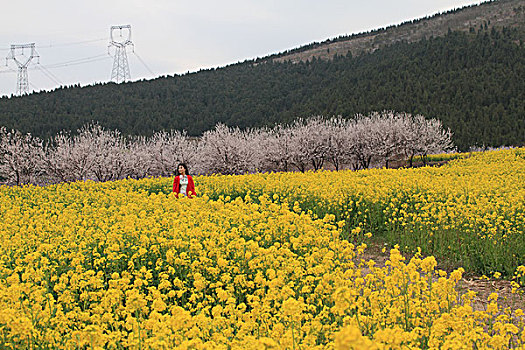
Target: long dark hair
(185,168)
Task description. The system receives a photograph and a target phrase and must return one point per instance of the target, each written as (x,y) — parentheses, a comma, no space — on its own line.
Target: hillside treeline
(472,82)
(99,154)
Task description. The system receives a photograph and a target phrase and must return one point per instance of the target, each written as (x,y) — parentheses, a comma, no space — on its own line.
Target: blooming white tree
(259,142)
(102,155)
(435,138)
(20,157)
(276,147)
(138,158)
(386,129)
(108,152)
(168,149)
(58,153)
(309,143)
(72,158)
(226,150)
(424,136)
(365,141)
(341,141)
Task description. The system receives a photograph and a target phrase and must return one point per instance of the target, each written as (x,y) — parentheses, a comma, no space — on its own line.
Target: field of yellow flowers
(265,261)
(471,211)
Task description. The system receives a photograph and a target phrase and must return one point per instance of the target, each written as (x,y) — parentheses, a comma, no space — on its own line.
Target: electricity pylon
(22,83)
(120,71)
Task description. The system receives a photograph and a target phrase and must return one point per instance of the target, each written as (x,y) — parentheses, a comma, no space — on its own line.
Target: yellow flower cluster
(256,262)
(471,211)
(447,156)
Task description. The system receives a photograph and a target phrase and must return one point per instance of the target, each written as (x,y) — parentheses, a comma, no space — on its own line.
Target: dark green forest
(474,82)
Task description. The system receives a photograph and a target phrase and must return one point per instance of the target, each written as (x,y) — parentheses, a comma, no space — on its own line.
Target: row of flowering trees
(102,155)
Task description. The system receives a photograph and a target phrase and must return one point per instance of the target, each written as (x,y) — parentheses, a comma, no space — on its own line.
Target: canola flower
(447,156)
(470,211)
(116,265)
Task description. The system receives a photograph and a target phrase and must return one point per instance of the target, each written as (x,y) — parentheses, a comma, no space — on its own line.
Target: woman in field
(183,182)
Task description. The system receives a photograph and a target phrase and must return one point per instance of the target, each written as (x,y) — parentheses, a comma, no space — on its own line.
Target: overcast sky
(174,37)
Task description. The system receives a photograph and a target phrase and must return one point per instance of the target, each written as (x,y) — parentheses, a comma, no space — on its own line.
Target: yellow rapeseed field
(265,261)
(471,211)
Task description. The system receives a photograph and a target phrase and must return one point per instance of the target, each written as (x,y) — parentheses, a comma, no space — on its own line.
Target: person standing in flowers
(183,182)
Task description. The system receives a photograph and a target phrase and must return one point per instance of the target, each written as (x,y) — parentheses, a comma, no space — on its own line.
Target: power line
(144,63)
(71,43)
(78,61)
(64,44)
(68,63)
(9,70)
(49,74)
(33,86)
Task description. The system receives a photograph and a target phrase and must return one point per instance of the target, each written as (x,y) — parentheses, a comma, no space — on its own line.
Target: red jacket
(190,189)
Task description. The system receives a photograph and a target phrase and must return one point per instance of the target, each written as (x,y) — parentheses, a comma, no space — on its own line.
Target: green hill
(472,80)
(490,14)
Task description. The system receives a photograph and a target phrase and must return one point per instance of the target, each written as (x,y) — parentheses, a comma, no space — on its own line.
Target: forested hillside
(488,14)
(473,81)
